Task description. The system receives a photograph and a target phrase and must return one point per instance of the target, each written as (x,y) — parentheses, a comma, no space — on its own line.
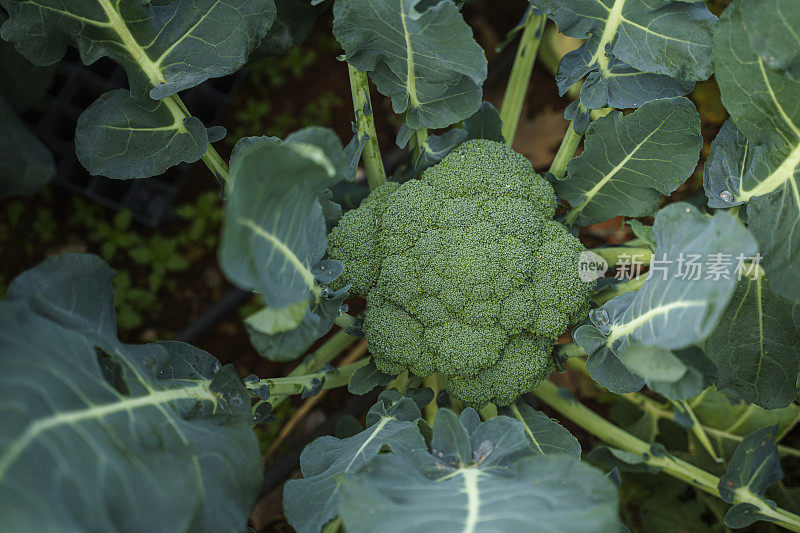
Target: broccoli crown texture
(465,273)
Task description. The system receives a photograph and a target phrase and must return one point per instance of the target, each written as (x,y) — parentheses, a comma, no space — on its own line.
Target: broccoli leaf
(119,128)
(275,234)
(772,29)
(274,227)
(755,466)
(26,165)
(426,61)
(763,105)
(328,462)
(634,48)
(617,85)
(732,160)
(154,437)
(367,378)
(757,346)
(477,477)
(163,48)
(284,334)
(293,23)
(629,161)
(683,298)
(547,436)
(731,422)
(485,124)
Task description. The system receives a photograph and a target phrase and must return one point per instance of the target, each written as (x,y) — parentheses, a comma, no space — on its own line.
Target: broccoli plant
(474,270)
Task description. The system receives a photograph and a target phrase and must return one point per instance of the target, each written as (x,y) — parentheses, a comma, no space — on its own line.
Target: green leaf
(636,51)
(677,306)
(111,435)
(653,363)
(367,378)
(700,374)
(731,161)
(326,463)
(163,48)
(274,228)
(427,61)
(485,124)
(26,165)
(733,421)
(643,232)
(118,134)
(547,437)
(28,84)
(293,24)
(762,103)
(617,84)
(284,334)
(757,347)
(772,28)
(661,36)
(477,477)
(630,161)
(755,466)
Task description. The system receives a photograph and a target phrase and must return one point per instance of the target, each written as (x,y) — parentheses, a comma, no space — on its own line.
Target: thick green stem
(570,350)
(323,355)
(419,143)
(615,255)
(365,123)
(659,410)
(296,384)
(677,468)
(520,77)
(434,382)
(609,293)
(565,152)
(345,321)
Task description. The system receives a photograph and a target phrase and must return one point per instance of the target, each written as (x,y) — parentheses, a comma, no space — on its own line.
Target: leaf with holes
(153,437)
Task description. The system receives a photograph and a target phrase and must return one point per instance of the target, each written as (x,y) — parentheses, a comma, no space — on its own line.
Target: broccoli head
(465,273)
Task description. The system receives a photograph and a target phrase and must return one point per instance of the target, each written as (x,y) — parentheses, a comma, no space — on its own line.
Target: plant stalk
(609,293)
(616,255)
(520,77)
(217,165)
(365,125)
(565,152)
(434,382)
(339,342)
(673,466)
(296,384)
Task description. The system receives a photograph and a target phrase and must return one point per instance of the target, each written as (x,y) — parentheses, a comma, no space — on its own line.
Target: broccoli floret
(465,273)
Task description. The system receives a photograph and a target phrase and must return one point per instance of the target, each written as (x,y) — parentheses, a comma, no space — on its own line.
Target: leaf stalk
(520,77)
(673,466)
(365,127)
